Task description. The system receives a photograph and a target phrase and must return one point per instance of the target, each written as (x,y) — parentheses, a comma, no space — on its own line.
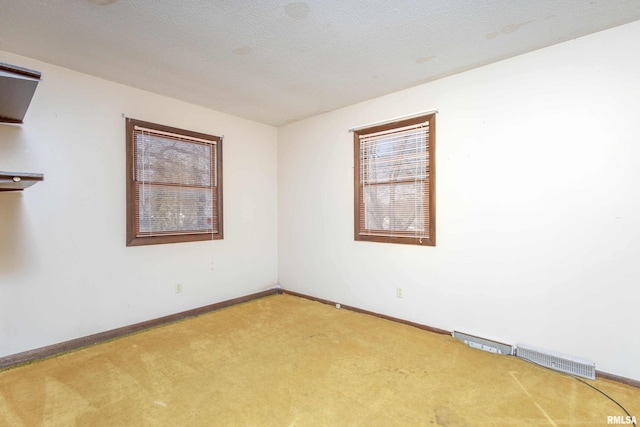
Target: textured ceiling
(280,61)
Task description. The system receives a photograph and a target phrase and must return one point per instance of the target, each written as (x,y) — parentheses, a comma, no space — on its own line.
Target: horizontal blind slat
(395,131)
(147,131)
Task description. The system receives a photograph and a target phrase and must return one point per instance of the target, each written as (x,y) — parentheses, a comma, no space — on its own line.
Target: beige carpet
(288,361)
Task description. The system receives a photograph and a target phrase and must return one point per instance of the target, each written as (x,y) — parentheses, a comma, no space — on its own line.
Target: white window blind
(175,180)
(394,181)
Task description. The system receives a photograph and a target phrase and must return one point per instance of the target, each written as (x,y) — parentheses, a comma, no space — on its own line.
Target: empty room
(319,213)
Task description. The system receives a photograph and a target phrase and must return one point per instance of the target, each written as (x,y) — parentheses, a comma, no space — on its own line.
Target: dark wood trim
(131,182)
(357,189)
(67,346)
(397,238)
(219,189)
(371,313)
(617,378)
(432,179)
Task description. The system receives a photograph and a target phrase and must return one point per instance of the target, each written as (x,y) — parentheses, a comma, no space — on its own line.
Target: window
(174,185)
(395,182)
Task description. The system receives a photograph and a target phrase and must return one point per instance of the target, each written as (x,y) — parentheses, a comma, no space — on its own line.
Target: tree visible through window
(174,191)
(395,182)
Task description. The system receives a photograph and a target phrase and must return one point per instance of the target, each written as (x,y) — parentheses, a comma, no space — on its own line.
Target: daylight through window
(174,192)
(395,182)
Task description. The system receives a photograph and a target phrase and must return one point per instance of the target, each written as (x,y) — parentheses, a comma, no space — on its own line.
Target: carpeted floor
(288,361)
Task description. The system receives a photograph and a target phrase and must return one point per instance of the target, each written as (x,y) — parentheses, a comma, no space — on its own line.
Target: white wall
(538,203)
(64,269)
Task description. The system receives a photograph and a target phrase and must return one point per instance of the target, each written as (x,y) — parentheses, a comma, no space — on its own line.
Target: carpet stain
(447,417)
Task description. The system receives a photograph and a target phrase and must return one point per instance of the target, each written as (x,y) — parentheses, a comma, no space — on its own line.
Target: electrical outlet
(178,288)
(399,292)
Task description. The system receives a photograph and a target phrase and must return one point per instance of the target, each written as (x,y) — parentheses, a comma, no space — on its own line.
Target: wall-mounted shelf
(17,86)
(18,181)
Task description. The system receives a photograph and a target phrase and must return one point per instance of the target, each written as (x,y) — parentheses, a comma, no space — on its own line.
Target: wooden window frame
(135,238)
(428,236)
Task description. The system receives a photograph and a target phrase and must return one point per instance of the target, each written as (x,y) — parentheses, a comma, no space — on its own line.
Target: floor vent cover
(558,362)
(483,343)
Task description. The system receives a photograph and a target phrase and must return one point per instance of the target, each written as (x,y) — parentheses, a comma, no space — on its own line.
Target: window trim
(133,239)
(397,237)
